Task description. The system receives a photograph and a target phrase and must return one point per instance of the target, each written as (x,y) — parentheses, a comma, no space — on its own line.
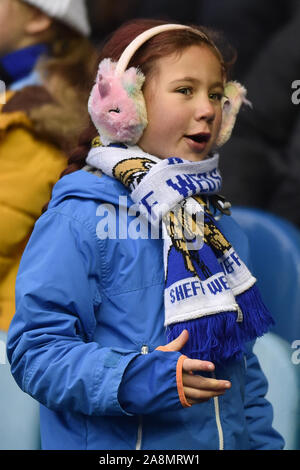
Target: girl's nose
(205,110)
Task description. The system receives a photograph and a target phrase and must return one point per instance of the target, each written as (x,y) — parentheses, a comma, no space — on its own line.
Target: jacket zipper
(138,445)
(218,420)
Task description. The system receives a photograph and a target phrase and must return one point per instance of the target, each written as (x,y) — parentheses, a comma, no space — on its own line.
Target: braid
(77,157)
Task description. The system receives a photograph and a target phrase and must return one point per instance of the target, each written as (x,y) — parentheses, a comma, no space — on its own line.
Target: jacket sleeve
(259,411)
(151,383)
(50,342)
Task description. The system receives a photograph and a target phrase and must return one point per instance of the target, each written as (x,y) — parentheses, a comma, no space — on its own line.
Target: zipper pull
(144,349)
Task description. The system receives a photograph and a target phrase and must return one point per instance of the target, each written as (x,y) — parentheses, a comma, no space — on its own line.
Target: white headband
(145,36)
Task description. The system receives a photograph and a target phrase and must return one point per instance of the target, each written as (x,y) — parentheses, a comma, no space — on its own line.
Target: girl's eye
(216,96)
(185,91)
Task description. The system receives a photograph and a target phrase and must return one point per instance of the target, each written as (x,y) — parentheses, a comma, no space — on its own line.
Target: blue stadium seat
(275,257)
(19,423)
(276,360)
(275,261)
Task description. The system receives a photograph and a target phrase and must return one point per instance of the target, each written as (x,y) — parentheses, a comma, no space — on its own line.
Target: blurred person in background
(261,163)
(107,15)
(248,25)
(46,63)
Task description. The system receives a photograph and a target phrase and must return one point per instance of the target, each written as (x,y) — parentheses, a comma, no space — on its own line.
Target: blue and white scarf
(208,289)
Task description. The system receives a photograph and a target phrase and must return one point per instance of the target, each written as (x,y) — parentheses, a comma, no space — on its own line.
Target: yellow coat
(29,167)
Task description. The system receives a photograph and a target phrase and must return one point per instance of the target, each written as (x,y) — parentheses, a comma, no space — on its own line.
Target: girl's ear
(234,97)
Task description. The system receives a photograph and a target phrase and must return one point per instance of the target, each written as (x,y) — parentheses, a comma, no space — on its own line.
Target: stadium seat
(19,423)
(275,261)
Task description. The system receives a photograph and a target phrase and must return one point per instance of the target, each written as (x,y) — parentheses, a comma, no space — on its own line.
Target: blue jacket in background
(89,316)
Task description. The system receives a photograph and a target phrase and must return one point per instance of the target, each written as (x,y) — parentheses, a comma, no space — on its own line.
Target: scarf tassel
(257,320)
(220,337)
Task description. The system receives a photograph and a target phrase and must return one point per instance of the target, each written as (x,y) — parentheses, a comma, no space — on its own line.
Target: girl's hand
(197,389)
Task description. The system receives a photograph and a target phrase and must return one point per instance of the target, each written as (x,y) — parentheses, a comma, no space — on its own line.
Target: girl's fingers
(190,365)
(203,383)
(178,342)
(197,396)
(197,388)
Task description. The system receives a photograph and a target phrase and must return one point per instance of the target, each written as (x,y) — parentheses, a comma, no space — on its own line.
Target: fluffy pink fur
(116,104)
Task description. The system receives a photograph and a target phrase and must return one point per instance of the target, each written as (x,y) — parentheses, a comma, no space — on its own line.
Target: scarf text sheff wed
(208,289)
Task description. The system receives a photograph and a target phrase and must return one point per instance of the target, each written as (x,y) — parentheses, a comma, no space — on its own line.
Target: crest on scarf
(131,171)
(183,227)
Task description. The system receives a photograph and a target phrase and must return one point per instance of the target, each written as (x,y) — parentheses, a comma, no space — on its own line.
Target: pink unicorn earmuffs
(117,106)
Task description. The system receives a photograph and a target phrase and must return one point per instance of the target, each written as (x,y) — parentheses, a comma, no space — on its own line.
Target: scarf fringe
(214,338)
(257,319)
(219,337)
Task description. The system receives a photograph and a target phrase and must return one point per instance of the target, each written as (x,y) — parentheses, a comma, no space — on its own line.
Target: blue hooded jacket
(89,316)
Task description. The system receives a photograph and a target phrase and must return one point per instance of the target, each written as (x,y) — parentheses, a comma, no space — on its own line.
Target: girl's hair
(159,46)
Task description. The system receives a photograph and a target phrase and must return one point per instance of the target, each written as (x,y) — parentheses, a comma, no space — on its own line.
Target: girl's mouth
(197,142)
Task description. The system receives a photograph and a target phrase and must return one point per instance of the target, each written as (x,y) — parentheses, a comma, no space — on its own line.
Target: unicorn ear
(103,86)
(235,96)
(106,72)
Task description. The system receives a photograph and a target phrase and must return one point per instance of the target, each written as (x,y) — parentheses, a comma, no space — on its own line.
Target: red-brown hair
(159,46)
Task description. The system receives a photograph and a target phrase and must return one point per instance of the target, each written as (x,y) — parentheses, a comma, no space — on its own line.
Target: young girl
(46,62)
(105,271)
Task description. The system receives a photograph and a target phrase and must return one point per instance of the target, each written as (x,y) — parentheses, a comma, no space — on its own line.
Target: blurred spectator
(261,163)
(248,25)
(169,10)
(107,15)
(46,62)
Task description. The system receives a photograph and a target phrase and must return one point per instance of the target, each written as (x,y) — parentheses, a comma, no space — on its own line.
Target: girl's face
(183,100)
